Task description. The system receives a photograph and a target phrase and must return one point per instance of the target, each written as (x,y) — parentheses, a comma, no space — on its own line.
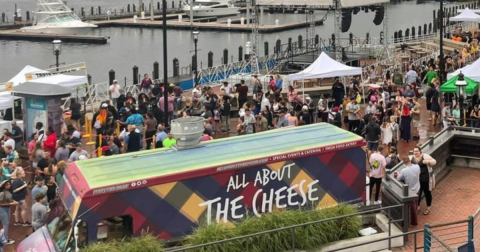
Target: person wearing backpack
(377,171)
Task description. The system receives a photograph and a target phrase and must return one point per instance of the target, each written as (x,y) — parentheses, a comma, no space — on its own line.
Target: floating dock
(20,35)
(202,24)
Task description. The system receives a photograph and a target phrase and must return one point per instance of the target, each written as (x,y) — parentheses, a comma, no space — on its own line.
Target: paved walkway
(455,198)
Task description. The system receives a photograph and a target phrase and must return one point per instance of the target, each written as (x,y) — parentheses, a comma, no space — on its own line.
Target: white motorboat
(54,17)
(211,8)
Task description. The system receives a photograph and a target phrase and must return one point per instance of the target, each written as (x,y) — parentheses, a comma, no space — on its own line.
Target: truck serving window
(115,228)
(59,223)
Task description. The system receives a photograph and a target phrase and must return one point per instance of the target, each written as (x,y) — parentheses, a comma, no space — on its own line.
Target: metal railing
(446,236)
(386,210)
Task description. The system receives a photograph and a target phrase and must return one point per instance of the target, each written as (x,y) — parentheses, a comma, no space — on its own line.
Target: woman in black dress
(435,106)
(427,181)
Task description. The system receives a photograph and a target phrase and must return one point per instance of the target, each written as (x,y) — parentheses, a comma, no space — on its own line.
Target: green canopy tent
(449,86)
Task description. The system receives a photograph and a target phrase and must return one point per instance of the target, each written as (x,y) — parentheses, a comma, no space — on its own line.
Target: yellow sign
(9,86)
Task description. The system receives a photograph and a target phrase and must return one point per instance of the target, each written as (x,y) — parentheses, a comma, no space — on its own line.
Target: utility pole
(442,60)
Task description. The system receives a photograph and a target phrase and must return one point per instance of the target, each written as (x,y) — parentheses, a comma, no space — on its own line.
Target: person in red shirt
(51,141)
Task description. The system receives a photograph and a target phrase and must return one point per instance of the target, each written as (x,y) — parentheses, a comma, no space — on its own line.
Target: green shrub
(306,237)
(102,246)
(144,243)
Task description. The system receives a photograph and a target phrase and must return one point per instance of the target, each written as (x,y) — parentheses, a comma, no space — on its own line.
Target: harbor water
(128,47)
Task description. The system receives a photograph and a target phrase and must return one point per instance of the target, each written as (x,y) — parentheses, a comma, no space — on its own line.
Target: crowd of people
(128,123)
(46,172)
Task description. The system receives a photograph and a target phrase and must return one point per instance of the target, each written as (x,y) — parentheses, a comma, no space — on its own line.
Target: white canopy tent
(467,15)
(68,81)
(471,71)
(324,67)
(20,77)
(6,100)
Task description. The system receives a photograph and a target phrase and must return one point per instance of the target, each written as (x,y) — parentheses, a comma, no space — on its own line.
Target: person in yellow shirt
(169,141)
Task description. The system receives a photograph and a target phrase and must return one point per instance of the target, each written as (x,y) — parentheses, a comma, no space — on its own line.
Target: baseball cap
(305,107)
(79,144)
(115,81)
(308,98)
(335,109)
(104,105)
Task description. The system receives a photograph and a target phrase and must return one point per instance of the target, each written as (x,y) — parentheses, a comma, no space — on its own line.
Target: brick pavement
(455,198)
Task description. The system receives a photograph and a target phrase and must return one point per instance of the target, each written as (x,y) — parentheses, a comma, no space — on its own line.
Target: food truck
(170,192)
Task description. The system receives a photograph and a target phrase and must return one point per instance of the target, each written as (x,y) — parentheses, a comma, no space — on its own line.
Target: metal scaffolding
(337,23)
(386,51)
(310,18)
(256,39)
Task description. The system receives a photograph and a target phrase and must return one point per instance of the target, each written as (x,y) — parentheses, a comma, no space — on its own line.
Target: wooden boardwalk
(18,34)
(220,25)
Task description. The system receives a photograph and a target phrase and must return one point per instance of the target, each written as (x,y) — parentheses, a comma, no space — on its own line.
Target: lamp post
(461,85)
(57,50)
(442,60)
(195,41)
(165,62)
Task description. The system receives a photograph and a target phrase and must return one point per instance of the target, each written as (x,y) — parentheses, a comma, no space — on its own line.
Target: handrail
(440,240)
(284,228)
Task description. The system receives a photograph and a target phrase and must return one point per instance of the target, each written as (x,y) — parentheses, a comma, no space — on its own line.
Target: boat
(208,8)
(54,17)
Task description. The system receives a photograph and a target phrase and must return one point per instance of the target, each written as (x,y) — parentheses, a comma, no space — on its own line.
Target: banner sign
(31,76)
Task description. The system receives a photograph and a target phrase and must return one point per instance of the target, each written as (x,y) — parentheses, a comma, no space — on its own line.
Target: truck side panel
(174,209)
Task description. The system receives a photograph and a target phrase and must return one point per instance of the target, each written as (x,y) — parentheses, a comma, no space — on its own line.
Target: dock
(214,25)
(18,34)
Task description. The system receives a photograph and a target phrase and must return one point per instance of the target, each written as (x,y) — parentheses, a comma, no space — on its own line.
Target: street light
(57,50)
(442,58)
(461,85)
(195,41)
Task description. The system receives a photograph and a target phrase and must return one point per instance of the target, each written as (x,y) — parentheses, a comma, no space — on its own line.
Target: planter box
(382,222)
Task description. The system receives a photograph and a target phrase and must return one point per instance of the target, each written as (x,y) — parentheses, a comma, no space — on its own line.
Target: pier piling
(111,76)
(225,56)
(210,59)
(289,44)
(240,53)
(176,67)
(278,45)
(135,75)
(300,41)
(156,70)
(368,38)
(265,48)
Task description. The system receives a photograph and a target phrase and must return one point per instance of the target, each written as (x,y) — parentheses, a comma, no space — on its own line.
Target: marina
(234,25)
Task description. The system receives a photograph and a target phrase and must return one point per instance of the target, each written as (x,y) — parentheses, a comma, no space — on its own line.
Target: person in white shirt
(9,141)
(196,95)
(227,89)
(115,91)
